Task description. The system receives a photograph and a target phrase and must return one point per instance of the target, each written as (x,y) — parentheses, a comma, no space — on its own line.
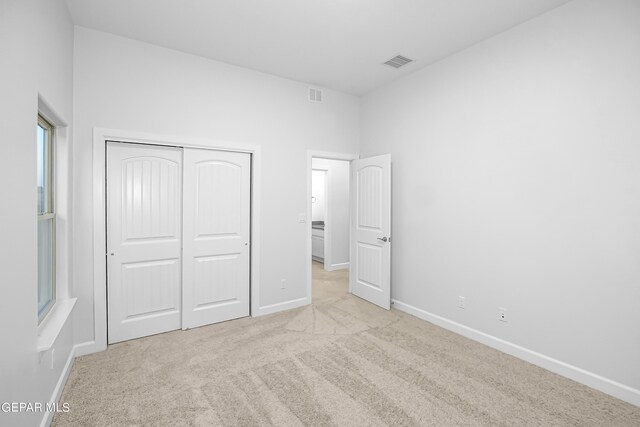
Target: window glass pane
(45,265)
(46,218)
(43,170)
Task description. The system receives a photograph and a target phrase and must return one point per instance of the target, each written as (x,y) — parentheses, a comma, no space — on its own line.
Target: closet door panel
(144,233)
(216,236)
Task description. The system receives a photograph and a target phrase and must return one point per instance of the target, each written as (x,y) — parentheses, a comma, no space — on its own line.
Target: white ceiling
(339,44)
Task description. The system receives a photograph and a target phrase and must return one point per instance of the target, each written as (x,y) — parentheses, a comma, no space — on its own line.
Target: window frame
(49,212)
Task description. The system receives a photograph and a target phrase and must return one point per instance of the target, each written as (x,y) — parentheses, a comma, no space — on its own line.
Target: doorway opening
(330,222)
(361,247)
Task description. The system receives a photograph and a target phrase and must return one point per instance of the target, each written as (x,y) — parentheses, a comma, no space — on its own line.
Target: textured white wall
(36,45)
(516,183)
(338,209)
(125,84)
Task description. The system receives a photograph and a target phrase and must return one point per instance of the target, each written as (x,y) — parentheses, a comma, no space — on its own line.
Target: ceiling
(339,44)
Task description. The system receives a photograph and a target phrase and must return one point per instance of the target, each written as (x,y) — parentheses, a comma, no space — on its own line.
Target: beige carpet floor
(341,361)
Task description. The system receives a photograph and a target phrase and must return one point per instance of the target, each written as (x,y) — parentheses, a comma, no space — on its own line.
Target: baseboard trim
(281,306)
(57,391)
(339,266)
(88,347)
(605,385)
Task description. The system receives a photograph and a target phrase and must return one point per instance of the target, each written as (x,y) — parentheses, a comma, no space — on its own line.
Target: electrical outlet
(502,314)
(461,302)
(283,283)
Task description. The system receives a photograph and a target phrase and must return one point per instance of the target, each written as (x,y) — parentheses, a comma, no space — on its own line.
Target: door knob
(384,239)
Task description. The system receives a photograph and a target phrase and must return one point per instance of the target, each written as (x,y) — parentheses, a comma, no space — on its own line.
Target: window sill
(53,324)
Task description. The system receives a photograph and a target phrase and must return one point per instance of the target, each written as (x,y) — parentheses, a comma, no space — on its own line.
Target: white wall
(337,221)
(318,195)
(36,46)
(125,84)
(516,183)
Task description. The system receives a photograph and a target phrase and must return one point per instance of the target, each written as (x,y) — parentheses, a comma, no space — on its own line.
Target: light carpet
(340,361)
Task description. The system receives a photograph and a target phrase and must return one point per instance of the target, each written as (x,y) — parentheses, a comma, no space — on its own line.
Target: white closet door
(216,236)
(143,243)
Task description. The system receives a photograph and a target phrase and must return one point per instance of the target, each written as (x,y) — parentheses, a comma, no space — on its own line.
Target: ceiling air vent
(398,61)
(315,95)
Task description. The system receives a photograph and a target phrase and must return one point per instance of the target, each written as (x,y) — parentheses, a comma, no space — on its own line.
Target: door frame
(100,138)
(329,156)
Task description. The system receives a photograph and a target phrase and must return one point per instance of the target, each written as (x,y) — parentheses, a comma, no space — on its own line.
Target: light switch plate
(302,218)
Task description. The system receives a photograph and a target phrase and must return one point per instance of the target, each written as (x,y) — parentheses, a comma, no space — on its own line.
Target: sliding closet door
(216,236)
(144,230)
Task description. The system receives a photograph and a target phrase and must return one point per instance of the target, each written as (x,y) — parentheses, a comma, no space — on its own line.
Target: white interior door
(216,236)
(144,226)
(370,269)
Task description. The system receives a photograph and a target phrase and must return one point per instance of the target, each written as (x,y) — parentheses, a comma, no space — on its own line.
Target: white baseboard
(57,391)
(281,306)
(605,385)
(88,347)
(339,266)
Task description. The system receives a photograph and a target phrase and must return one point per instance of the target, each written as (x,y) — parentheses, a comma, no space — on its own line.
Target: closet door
(216,236)
(144,226)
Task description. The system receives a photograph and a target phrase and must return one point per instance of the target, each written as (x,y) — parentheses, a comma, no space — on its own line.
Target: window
(46,219)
